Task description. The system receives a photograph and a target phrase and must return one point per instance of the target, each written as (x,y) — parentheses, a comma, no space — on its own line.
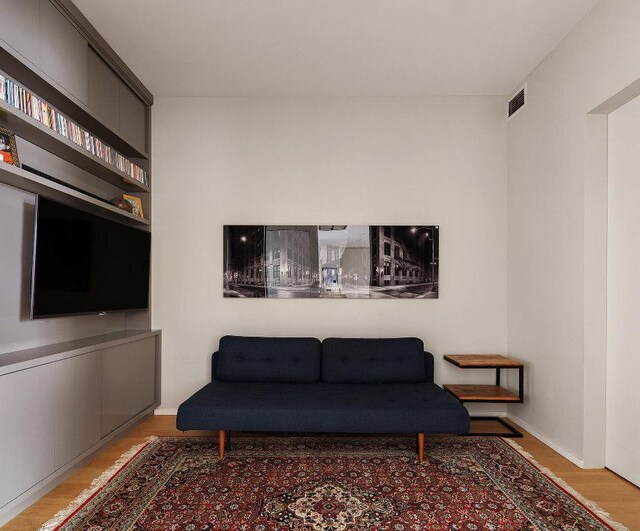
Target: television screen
(86,264)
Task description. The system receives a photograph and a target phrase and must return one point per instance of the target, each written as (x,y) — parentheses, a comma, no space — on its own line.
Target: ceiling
(333,48)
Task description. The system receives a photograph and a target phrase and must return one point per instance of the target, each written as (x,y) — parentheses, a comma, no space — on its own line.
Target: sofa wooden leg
(421,447)
(221,439)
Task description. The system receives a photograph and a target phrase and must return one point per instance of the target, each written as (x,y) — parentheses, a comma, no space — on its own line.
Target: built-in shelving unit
(62,402)
(65,62)
(48,139)
(25,180)
(52,92)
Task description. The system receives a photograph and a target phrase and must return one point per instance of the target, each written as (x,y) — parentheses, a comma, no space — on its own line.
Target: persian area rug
(329,484)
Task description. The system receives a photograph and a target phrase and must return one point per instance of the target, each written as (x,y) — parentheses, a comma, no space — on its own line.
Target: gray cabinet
(77,406)
(58,402)
(116,387)
(64,52)
(21,30)
(116,105)
(128,382)
(27,421)
(132,117)
(104,91)
(143,365)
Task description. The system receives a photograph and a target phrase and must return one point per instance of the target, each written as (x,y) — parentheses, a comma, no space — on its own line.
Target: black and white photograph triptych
(331,261)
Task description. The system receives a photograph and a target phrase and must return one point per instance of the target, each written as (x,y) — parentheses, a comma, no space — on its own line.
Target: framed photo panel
(331,261)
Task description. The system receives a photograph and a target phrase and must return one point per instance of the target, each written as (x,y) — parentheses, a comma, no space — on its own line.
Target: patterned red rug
(329,484)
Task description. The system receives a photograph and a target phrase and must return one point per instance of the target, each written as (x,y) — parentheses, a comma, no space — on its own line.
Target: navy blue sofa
(339,385)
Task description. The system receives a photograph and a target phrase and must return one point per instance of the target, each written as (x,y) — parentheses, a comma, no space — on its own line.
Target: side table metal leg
(521,383)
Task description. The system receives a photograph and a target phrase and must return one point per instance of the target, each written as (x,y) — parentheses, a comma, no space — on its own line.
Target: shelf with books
(28,102)
(30,182)
(16,67)
(36,132)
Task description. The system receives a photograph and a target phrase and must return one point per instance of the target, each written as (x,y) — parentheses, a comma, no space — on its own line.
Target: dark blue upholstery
(214,365)
(323,407)
(350,360)
(269,359)
(428,365)
(274,384)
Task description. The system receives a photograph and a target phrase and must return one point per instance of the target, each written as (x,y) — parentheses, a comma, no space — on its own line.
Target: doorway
(623,293)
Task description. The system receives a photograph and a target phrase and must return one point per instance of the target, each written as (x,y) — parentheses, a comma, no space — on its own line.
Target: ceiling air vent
(518,101)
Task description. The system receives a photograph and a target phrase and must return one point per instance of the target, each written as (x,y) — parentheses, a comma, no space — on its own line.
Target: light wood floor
(617,496)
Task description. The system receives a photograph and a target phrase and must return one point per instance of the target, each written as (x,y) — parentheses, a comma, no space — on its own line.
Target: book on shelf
(22,99)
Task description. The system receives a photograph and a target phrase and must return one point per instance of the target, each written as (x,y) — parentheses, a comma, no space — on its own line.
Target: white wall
(548,239)
(307,161)
(623,330)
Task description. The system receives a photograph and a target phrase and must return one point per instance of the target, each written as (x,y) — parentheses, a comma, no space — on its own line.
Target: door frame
(596,198)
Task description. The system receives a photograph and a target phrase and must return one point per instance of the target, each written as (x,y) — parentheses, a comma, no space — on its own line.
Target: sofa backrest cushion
(269,359)
(393,360)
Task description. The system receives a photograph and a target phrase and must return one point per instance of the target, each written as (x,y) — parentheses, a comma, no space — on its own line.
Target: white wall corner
(548,441)
(595,290)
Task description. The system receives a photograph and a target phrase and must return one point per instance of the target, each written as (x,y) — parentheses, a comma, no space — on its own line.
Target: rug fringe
(96,484)
(592,506)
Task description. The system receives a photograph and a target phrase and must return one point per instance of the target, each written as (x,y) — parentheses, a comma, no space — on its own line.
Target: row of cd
(22,99)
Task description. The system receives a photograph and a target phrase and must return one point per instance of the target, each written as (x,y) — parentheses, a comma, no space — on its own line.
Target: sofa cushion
(323,407)
(268,359)
(391,360)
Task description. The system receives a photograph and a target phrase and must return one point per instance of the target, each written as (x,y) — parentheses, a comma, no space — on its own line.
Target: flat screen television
(84,263)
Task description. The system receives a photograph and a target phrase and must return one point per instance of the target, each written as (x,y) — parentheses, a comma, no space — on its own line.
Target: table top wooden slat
(480,361)
(481,393)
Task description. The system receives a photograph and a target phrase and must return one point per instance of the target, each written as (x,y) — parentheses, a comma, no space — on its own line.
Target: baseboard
(546,440)
(165,411)
(501,414)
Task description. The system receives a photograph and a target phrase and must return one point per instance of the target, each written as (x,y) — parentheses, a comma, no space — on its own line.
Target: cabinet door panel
(116,387)
(26,418)
(64,52)
(143,374)
(20,27)
(104,91)
(132,117)
(78,412)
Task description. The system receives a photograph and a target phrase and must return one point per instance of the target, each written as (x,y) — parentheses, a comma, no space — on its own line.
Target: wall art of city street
(331,261)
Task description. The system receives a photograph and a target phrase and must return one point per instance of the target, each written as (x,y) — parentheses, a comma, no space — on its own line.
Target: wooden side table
(488,393)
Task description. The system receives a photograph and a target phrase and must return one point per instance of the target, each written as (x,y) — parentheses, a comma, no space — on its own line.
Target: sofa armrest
(428,366)
(214,365)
